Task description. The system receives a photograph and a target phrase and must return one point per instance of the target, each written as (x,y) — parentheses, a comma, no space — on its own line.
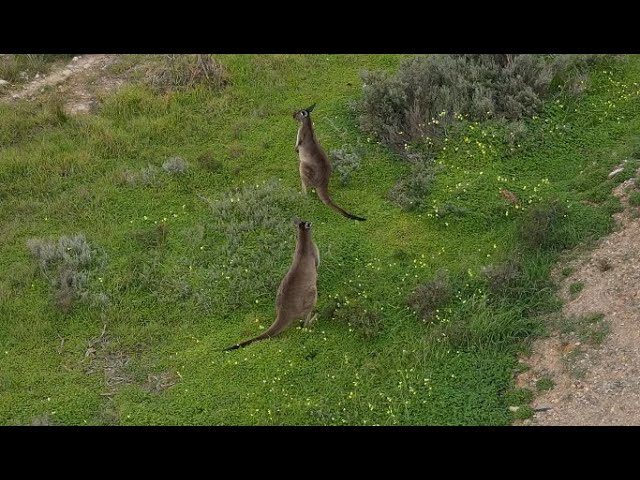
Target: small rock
(3,82)
(616,172)
(526,422)
(514,409)
(75,59)
(37,75)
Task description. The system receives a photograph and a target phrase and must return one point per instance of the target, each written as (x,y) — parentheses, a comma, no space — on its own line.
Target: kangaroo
(315,169)
(297,294)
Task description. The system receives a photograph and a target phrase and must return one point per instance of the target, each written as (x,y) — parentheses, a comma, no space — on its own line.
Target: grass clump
(544,384)
(179,71)
(604,264)
(591,329)
(208,162)
(152,237)
(66,263)
(634,198)
(575,288)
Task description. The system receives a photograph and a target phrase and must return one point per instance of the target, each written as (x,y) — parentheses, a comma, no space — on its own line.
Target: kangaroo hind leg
(310,319)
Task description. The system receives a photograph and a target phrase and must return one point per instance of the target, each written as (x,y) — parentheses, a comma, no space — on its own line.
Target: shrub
(175,165)
(409,192)
(207,162)
(431,296)
(145,177)
(365,322)
(66,263)
(542,227)
(345,161)
(503,276)
(428,93)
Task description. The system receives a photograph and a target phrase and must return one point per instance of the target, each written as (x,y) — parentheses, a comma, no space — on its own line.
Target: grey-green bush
(66,264)
(345,161)
(422,100)
(175,165)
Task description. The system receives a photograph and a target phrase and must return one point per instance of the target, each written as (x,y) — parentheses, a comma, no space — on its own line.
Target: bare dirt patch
(80,83)
(101,357)
(595,382)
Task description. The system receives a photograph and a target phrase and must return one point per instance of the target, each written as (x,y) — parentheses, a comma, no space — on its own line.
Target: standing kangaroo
(315,169)
(297,294)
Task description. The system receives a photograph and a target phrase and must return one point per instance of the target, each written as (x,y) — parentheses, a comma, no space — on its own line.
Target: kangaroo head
(300,115)
(301,224)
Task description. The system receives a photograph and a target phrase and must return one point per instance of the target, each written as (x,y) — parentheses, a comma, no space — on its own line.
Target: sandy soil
(80,82)
(595,384)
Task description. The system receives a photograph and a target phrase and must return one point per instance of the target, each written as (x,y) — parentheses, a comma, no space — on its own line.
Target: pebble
(3,82)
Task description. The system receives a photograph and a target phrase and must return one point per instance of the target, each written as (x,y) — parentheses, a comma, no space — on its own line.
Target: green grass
(575,288)
(544,384)
(189,271)
(634,198)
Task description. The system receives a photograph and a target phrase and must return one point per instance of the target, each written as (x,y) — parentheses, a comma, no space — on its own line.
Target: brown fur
(297,294)
(315,168)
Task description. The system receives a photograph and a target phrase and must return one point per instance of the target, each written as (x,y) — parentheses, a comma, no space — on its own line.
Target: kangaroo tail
(323,193)
(272,331)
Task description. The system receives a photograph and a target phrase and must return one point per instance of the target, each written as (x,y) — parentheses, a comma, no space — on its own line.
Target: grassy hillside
(185,264)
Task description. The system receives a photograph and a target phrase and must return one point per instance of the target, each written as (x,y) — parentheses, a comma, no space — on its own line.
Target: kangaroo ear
(309,225)
(310,109)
